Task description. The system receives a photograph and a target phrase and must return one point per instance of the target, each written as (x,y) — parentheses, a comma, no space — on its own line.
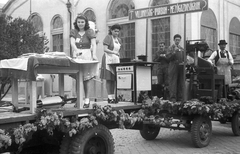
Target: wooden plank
(56,70)
(61,84)
(67,110)
(11,117)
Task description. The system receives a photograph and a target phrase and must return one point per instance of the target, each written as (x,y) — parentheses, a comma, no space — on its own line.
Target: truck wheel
(201,131)
(65,144)
(96,140)
(149,132)
(236,124)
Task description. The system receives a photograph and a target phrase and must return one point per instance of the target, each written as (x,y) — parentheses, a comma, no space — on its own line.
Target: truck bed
(67,110)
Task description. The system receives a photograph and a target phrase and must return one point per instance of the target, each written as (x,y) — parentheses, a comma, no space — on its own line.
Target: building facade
(140,37)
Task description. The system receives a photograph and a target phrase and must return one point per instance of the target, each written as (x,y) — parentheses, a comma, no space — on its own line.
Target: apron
(112,58)
(91,69)
(86,54)
(223,68)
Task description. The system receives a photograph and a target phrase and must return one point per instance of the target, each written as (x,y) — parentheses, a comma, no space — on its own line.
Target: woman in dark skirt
(112,51)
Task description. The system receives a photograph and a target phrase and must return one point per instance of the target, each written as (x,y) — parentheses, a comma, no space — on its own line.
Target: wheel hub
(95,145)
(204,131)
(92,150)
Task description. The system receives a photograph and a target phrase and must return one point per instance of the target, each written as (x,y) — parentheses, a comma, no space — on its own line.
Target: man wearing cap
(223,60)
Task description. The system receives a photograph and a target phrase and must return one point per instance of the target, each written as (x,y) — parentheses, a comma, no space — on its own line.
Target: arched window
(234,36)
(120,9)
(209,28)
(37,22)
(160,31)
(90,15)
(57,33)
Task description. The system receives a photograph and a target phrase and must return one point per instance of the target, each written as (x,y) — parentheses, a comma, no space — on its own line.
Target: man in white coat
(223,60)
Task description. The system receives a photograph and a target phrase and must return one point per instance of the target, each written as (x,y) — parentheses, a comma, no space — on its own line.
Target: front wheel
(201,131)
(236,124)
(96,140)
(149,132)
(65,144)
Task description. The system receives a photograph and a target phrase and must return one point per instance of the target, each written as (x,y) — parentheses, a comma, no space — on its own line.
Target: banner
(169,9)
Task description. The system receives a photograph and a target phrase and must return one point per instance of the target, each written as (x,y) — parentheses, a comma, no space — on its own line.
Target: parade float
(64,123)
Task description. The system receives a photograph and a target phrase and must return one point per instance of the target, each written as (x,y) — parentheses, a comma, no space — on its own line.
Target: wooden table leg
(33,96)
(15,92)
(79,92)
(61,84)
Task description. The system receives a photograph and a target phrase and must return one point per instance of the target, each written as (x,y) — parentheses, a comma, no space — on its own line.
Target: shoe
(86,103)
(111,101)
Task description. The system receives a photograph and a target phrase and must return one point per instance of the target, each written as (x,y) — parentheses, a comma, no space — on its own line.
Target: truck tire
(149,132)
(65,144)
(201,131)
(236,124)
(96,140)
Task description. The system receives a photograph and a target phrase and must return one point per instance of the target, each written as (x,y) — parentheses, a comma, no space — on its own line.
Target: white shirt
(214,54)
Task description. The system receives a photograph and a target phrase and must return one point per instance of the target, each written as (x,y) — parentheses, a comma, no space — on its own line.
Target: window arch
(209,28)
(120,8)
(57,23)
(234,36)
(36,21)
(57,33)
(90,15)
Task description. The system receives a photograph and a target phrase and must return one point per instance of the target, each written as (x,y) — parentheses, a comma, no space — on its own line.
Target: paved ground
(176,142)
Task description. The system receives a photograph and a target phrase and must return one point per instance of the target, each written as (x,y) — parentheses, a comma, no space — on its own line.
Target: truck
(63,124)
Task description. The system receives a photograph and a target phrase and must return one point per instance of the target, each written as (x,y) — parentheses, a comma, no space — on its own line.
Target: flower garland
(5,139)
(50,121)
(221,110)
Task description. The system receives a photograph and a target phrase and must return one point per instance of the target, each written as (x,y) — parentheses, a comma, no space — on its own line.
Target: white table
(74,68)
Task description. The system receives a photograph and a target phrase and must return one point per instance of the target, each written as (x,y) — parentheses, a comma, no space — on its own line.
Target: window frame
(214,38)
(231,45)
(57,31)
(122,21)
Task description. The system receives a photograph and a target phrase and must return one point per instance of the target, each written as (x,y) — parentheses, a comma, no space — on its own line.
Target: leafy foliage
(5,139)
(18,36)
(153,111)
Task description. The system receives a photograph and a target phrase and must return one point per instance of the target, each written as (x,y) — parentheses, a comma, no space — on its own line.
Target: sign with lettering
(169,9)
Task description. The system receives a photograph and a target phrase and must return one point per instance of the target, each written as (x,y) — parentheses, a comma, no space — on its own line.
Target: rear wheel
(149,132)
(96,140)
(201,131)
(236,124)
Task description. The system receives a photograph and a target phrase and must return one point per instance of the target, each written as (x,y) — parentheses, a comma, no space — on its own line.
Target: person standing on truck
(83,43)
(162,67)
(175,56)
(223,60)
(112,45)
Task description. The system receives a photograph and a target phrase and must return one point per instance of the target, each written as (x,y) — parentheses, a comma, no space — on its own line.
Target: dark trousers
(175,73)
(163,75)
